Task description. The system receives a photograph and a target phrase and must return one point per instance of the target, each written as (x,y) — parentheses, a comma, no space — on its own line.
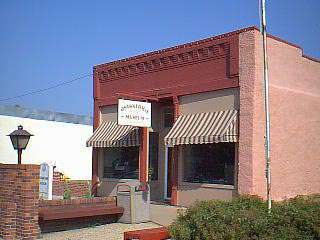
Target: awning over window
(110,134)
(203,128)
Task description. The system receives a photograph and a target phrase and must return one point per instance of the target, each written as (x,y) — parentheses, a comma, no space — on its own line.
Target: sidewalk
(164,214)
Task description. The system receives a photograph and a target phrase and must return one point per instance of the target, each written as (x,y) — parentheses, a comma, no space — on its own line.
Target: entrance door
(169,172)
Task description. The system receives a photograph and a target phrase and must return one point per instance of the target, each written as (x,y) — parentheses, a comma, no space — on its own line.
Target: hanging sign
(134,113)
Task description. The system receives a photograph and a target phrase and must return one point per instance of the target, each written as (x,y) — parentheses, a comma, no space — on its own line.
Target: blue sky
(45,42)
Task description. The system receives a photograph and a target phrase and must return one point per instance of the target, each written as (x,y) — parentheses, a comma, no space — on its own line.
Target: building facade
(207,135)
(59,139)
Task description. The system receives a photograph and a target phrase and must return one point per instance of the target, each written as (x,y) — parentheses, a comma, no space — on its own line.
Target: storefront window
(121,163)
(168,117)
(153,155)
(209,163)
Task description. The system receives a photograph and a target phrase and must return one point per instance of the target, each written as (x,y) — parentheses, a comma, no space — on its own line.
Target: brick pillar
(143,155)
(19,190)
(175,167)
(8,212)
(95,152)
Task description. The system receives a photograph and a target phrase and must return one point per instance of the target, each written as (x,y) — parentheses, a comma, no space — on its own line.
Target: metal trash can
(136,203)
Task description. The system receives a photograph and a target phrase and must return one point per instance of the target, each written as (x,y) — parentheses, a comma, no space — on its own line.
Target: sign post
(46,176)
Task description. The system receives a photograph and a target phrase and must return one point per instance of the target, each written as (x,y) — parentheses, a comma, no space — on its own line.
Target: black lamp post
(20,139)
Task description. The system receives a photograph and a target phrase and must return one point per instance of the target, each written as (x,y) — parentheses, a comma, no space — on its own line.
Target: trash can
(136,203)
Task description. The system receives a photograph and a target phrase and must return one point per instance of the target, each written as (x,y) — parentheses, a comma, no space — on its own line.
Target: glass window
(168,117)
(122,162)
(209,163)
(153,155)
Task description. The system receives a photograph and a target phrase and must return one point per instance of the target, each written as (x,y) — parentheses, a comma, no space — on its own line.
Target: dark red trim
(311,58)
(228,34)
(136,97)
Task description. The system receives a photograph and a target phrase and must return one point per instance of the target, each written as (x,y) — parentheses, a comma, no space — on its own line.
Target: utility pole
(266,101)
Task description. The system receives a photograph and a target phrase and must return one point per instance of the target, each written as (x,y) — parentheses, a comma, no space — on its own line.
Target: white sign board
(45,185)
(134,113)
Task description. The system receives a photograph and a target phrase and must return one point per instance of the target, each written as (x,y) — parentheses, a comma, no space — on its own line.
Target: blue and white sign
(45,186)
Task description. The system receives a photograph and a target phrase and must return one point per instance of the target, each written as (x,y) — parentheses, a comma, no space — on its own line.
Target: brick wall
(19,194)
(78,187)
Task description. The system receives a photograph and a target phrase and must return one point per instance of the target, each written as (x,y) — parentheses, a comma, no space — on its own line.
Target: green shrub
(89,194)
(248,218)
(67,193)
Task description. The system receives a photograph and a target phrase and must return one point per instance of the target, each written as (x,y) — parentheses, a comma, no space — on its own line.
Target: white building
(59,138)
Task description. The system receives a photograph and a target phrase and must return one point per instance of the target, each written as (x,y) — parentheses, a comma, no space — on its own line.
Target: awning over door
(110,134)
(203,128)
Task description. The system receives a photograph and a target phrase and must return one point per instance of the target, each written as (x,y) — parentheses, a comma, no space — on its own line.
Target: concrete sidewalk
(164,214)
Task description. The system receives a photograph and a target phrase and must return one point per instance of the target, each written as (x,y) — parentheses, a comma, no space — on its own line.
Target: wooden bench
(86,210)
(161,233)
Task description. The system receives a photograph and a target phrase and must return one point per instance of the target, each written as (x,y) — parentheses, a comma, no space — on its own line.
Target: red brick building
(207,135)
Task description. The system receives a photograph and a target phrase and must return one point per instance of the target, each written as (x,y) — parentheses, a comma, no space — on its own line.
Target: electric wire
(33,92)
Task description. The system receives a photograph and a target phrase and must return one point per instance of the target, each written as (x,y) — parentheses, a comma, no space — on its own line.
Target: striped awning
(110,134)
(201,128)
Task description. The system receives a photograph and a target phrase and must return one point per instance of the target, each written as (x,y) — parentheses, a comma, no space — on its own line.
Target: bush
(248,218)
(67,193)
(89,194)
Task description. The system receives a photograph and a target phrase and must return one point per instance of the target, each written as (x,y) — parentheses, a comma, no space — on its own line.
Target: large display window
(121,163)
(209,163)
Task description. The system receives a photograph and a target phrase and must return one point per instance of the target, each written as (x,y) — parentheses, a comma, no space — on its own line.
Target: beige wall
(109,114)
(190,193)
(209,101)
(294,114)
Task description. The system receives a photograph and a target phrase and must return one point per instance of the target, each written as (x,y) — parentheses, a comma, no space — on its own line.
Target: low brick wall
(78,201)
(78,188)
(66,224)
(19,197)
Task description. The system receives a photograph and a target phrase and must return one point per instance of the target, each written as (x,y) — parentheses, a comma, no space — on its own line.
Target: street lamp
(20,139)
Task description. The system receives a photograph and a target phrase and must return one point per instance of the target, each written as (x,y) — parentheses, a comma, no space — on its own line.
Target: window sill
(120,180)
(209,185)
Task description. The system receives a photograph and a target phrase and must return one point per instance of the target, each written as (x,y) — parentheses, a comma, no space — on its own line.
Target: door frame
(165,192)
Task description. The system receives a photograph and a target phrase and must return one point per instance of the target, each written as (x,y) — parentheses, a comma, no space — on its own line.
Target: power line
(45,89)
